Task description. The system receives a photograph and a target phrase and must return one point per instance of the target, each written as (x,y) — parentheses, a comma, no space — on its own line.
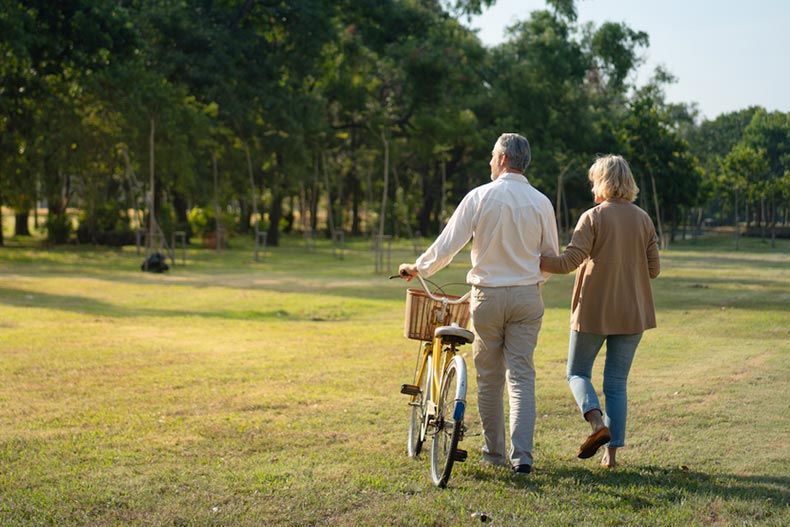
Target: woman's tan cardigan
(615,247)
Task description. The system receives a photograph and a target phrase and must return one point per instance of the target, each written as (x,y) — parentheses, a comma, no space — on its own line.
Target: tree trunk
(773,221)
(429,191)
(217,219)
(254,194)
(762,219)
(314,198)
(642,198)
(303,212)
(276,210)
(443,195)
(386,186)
(149,240)
(181,209)
(737,230)
(245,217)
(560,198)
(275,215)
(355,186)
(697,226)
(20,225)
(658,213)
(2,238)
(330,221)
(747,215)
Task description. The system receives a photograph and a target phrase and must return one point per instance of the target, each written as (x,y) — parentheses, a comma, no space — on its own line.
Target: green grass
(234,393)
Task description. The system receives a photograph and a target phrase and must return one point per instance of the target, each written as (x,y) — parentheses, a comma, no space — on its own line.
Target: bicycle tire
(449,422)
(417,423)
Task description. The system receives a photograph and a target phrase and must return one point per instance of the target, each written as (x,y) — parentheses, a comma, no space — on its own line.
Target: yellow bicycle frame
(442,357)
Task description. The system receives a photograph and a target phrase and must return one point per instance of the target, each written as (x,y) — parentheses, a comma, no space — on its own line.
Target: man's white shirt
(512,223)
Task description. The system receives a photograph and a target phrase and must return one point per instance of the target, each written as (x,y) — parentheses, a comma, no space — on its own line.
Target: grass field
(234,393)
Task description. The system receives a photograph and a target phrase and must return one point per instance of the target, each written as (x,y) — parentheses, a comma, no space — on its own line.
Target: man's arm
(453,238)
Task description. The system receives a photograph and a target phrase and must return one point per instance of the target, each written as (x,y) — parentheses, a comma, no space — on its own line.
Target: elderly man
(511,225)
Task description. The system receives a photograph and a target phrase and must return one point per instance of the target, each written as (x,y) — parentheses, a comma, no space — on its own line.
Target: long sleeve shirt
(615,248)
(511,225)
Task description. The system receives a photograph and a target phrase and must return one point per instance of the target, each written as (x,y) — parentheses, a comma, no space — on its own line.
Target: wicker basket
(424,315)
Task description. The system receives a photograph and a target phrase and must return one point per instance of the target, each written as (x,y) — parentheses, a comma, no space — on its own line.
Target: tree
(49,50)
(769,134)
(657,153)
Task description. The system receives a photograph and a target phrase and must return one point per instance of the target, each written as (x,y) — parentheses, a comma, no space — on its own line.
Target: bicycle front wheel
(419,408)
(449,422)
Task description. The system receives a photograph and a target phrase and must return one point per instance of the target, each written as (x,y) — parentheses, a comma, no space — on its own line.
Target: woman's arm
(653,260)
(575,253)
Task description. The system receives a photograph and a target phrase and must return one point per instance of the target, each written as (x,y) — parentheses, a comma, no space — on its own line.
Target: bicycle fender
(460,394)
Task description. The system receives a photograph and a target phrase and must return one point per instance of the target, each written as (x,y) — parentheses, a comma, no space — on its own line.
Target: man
(511,225)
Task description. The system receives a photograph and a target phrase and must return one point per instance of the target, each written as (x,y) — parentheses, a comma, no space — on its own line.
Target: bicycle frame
(438,395)
(442,357)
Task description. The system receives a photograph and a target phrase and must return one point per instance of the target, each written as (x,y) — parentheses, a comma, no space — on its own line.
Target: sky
(726,55)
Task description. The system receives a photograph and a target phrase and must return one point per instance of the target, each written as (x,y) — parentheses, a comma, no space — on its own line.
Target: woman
(614,246)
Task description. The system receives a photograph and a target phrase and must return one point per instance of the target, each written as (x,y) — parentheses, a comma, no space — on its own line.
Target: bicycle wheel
(449,422)
(418,409)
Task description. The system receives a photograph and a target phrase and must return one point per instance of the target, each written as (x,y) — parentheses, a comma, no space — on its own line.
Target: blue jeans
(620,349)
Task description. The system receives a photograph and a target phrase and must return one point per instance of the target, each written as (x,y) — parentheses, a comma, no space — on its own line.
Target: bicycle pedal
(460,455)
(410,389)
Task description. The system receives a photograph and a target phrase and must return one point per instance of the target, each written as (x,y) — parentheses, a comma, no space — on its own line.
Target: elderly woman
(614,247)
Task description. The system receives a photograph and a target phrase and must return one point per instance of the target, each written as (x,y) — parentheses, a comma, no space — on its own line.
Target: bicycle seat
(454,333)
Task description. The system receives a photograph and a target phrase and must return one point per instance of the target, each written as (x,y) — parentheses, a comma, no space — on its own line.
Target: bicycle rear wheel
(451,406)
(419,408)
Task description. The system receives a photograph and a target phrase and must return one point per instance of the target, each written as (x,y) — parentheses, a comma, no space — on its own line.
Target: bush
(757,232)
(58,228)
(201,221)
(108,225)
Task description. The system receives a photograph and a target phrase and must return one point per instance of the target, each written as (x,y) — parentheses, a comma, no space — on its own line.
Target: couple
(514,250)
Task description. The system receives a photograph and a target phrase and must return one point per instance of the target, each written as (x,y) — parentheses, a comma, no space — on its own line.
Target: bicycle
(438,396)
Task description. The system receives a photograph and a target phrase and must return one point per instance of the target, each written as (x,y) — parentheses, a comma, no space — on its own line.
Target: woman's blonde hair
(611,178)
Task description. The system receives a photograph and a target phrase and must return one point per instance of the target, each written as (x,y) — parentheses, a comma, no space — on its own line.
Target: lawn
(229,392)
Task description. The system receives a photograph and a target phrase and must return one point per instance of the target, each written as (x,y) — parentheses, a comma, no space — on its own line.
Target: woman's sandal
(593,443)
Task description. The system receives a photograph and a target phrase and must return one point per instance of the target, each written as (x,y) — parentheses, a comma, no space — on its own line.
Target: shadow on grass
(649,486)
(78,304)
(743,262)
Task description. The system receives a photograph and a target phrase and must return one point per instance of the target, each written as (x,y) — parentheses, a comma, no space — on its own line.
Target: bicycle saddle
(454,332)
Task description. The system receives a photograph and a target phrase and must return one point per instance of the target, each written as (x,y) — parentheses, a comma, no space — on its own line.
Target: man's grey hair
(516,148)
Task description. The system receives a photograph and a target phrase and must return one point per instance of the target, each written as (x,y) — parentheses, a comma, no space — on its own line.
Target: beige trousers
(506,322)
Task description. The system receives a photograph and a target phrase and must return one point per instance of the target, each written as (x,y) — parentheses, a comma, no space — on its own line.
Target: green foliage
(58,228)
(107,224)
(201,221)
(290,101)
(614,46)
(664,167)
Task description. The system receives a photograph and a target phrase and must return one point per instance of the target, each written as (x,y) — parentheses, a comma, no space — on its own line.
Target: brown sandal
(593,443)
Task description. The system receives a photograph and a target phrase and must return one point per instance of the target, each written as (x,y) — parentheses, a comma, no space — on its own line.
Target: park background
(285,156)
(364,117)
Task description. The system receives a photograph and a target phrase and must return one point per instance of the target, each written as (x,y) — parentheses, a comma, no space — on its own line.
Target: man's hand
(408,271)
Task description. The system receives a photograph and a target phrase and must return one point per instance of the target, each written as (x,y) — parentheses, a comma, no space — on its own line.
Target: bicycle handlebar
(432,296)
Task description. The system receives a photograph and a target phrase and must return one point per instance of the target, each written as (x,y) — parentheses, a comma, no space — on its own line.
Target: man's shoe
(593,443)
(522,470)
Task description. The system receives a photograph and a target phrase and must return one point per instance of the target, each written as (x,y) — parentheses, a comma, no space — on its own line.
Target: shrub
(107,225)
(58,228)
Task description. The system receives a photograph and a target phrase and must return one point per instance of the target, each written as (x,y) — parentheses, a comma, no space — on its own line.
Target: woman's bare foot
(608,459)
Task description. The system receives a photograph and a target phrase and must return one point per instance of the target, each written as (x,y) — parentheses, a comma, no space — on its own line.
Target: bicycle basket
(424,315)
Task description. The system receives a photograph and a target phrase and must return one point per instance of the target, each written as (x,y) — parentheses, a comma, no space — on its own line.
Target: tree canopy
(301,114)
